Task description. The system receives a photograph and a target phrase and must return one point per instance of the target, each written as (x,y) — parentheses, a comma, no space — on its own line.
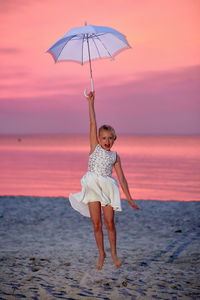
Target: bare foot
(100,261)
(116,261)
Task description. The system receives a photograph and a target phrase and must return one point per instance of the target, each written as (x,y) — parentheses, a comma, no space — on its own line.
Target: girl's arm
(93,123)
(123,182)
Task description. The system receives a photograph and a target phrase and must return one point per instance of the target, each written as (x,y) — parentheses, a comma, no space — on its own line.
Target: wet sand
(48,251)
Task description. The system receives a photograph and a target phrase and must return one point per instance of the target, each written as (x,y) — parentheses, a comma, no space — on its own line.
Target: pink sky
(151,88)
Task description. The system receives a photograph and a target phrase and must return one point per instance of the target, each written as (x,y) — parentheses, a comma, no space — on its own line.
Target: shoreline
(122,199)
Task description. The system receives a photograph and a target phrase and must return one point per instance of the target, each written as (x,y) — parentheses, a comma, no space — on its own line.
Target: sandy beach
(48,251)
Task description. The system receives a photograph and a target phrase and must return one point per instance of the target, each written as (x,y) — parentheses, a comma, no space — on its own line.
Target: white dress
(97,183)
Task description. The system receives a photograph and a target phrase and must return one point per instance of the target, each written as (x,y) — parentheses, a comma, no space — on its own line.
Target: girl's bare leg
(95,214)
(110,225)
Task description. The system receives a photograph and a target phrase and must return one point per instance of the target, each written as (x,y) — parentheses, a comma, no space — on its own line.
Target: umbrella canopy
(87,43)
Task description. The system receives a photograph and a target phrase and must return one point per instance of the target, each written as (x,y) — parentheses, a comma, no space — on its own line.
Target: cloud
(9,51)
(59,84)
(43,115)
(155,102)
(178,83)
(12,5)
(157,80)
(15,75)
(182,78)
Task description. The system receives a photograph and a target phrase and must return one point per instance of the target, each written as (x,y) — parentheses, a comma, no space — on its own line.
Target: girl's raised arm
(93,123)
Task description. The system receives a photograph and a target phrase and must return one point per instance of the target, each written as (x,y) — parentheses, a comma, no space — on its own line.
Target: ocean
(157,167)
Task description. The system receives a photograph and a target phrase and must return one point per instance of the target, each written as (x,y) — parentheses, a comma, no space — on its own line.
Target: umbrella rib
(82,48)
(96,47)
(89,55)
(64,46)
(104,46)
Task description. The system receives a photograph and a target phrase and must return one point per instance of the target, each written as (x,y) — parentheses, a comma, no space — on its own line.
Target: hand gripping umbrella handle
(92,87)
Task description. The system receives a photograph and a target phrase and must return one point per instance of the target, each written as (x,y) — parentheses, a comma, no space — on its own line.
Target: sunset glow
(150,88)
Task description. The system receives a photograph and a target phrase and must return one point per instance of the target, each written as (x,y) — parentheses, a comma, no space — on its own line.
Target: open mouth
(107,146)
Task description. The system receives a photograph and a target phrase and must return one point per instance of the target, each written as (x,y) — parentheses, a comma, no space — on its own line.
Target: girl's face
(106,139)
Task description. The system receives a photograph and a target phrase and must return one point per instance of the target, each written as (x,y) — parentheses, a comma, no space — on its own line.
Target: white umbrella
(87,43)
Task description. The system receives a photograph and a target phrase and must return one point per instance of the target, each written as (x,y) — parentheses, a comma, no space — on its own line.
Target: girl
(100,192)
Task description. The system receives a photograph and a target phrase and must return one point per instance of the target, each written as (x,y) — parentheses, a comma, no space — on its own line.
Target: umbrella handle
(85,93)
(92,88)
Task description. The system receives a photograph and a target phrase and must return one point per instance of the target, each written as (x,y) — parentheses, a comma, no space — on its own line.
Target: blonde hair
(108,128)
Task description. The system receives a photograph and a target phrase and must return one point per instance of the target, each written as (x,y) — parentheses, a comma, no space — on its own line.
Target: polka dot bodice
(101,161)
